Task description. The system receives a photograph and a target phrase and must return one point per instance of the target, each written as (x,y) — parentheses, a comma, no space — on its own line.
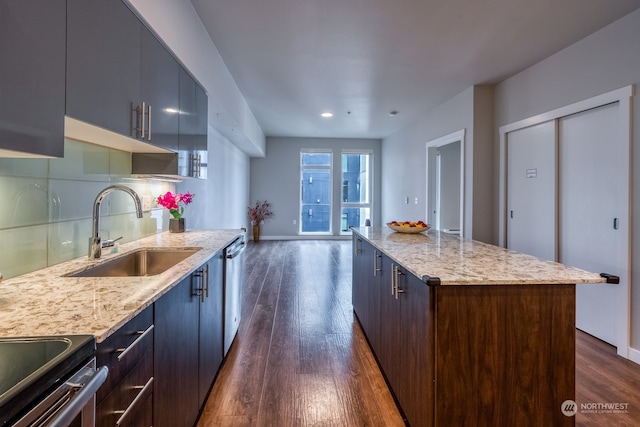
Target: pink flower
(175,203)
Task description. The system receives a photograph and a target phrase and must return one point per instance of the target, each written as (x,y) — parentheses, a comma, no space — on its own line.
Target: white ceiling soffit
(361,59)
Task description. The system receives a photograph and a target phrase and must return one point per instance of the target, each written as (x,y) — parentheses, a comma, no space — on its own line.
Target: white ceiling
(361,59)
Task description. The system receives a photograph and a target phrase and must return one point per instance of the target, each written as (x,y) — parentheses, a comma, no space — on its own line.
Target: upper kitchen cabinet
(32,78)
(119,76)
(193,127)
(103,64)
(159,89)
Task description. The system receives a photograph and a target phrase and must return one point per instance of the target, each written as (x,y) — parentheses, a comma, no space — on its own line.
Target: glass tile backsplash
(46,206)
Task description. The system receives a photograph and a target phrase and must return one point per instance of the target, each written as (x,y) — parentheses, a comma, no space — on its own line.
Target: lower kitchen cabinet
(397,325)
(359,298)
(131,403)
(125,398)
(211,324)
(188,345)
(176,356)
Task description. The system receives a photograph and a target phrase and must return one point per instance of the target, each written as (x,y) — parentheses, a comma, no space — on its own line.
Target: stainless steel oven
(49,381)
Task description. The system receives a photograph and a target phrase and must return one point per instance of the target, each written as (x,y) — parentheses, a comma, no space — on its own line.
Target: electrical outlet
(295,222)
(415,201)
(146,203)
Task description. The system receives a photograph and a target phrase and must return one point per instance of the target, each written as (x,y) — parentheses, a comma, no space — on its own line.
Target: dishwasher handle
(235,249)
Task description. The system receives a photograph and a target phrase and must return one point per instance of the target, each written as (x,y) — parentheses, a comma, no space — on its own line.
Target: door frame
(623,97)
(439,142)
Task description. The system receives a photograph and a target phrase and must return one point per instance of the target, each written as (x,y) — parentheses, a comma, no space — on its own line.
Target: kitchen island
(467,333)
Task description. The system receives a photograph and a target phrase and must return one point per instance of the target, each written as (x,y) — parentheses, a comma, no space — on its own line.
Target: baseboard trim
(314,237)
(634,355)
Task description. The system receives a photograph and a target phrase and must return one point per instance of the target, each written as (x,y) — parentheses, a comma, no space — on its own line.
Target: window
(356,189)
(315,191)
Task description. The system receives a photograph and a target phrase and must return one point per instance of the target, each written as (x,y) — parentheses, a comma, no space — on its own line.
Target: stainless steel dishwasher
(233,263)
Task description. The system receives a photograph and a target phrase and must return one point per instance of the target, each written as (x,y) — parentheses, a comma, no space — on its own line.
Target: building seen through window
(316,173)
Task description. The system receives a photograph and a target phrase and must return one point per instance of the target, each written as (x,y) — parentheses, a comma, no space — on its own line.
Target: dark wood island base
(486,352)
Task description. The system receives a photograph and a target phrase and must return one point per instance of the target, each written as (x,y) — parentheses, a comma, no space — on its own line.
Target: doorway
(445,183)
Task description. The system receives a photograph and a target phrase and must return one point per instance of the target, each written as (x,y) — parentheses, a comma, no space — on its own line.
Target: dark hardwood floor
(300,359)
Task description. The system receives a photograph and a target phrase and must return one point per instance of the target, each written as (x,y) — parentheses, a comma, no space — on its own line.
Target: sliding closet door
(593,214)
(531,190)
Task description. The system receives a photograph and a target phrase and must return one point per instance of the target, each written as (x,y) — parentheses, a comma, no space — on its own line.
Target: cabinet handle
(398,274)
(148,123)
(142,119)
(124,414)
(375,263)
(142,334)
(393,279)
(203,290)
(206,281)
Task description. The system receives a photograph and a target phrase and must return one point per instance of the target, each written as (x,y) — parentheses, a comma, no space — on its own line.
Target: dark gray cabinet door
(211,339)
(159,84)
(175,394)
(187,123)
(389,352)
(193,126)
(360,281)
(32,76)
(202,119)
(103,64)
(416,351)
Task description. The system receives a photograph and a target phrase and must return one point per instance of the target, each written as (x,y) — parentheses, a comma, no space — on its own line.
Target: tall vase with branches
(258,214)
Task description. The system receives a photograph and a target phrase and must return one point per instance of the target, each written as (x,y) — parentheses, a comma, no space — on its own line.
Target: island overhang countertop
(440,258)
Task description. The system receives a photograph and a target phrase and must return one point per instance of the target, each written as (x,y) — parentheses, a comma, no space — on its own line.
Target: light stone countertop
(45,302)
(458,261)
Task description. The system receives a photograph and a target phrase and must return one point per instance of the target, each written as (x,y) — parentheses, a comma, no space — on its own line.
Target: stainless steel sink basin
(141,262)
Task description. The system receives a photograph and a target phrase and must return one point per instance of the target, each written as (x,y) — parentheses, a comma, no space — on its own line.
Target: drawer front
(122,350)
(130,403)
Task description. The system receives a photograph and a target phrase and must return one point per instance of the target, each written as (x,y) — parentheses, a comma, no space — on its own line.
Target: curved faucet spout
(95,241)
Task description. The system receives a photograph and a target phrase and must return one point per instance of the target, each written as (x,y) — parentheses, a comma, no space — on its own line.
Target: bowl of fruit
(408,226)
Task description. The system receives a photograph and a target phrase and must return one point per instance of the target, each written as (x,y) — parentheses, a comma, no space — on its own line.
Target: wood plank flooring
(300,359)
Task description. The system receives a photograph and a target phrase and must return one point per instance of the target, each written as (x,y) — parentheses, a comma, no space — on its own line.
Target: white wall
(604,61)
(276,178)
(234,133)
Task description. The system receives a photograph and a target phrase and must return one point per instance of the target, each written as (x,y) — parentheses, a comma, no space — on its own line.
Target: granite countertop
(456,261)
(45,302)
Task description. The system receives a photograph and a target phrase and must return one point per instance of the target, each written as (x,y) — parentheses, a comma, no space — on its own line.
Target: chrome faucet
(95,241)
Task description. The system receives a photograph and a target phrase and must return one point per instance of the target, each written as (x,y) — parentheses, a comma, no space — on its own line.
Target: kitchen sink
(141,262)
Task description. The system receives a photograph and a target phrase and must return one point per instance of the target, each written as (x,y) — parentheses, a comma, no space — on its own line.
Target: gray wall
(405,154)
(276,178)
(604,61)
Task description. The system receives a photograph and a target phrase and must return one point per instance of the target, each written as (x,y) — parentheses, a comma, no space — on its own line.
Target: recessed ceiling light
(326,114)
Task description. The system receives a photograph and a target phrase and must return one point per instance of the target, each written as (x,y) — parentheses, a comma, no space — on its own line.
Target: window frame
(370,188)
(300,201)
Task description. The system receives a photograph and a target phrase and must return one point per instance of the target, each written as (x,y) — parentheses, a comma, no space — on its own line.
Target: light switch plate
(146,203)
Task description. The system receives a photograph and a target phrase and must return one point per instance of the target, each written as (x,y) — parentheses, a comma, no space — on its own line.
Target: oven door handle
(80,399)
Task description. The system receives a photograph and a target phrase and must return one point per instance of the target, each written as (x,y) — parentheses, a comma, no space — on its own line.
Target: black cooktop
(30,366)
